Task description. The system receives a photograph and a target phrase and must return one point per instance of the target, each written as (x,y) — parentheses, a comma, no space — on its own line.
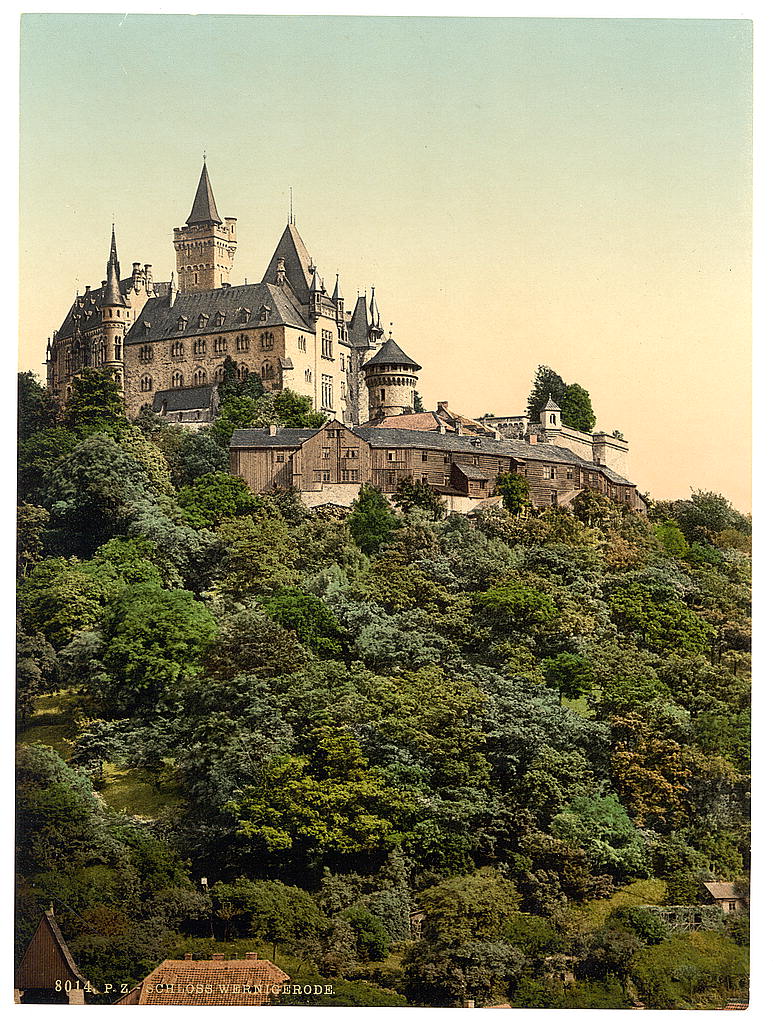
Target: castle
(166,344)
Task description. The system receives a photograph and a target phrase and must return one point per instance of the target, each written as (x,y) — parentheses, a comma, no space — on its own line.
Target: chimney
(531,439)
(188,956)
(272,430)
(442,407)
(442,428)
(218,956)
(250,956)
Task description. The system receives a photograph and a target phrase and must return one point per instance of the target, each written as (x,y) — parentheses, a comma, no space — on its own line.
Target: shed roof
(184,399)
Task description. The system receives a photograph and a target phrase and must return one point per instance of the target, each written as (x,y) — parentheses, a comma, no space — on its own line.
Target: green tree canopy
(214,497)
(576,409)
(371,520)
(547,384)
(95,403)
(514,487)
(36,406)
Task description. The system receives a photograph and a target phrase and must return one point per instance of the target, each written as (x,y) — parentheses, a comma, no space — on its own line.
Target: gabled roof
(47,958)
(164,319)
(722,890)
(390,353)
(246,982)
(184,399)
(204,210)
(297,263)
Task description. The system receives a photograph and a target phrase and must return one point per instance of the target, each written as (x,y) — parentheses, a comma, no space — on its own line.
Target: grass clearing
(592,915)
(133,791)
(53,722)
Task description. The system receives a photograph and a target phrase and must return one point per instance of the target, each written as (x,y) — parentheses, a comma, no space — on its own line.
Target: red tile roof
(212,983)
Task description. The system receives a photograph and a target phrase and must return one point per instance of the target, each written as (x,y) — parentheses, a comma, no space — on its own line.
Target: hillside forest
(427,757)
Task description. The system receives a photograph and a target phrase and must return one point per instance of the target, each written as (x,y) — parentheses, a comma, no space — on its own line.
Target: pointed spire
(336,294)
(375,316)
(204,210)
(111,296)
(316,284)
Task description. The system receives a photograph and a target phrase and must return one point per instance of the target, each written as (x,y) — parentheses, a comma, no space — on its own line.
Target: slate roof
(472,472)
(380,437)
(722,890)
(297,263)
(285,437)
(164,319)
(184,399)
(550,406)
(359,325)
(204,210)
(391,353)
(224,983)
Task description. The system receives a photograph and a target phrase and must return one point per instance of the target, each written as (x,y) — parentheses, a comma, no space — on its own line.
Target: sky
(569,192)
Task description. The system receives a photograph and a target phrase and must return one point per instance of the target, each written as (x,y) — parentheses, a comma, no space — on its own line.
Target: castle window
(242,371)
(195,278)
(327,392)
(244,315)
(327,345)
(263,314)
(177,379)
(552,417)
(343,364)
(182,323)
(301,344)
(199,347)
(146,383)
(267,371)
(203,320)
(117,351)
(200,376)
(219,374)
(343,389)
(242,343)
(267,340)
(307,376)
(178,350)
(146,353)
(220,318)
(221,345)
(348,364)
(145,327)
(383,394)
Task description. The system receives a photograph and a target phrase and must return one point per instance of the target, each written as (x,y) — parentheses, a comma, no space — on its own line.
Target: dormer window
(263,314)
(182,323)
(220,319)
(203,320)
(244,315)
(145,327)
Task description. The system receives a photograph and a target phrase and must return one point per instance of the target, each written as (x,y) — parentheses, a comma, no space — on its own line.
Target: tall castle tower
(206,245)
(116,318)
(390,377)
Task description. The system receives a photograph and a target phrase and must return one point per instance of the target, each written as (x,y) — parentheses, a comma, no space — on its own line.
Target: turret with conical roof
(206,245)
(116,317)
(550,415)
(391,377)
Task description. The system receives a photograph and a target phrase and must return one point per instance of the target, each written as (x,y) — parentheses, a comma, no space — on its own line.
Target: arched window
(221,345)
(177,379)
(146,383)
(552,417)
(242,343)
(307,376)
(199,347)
(267,371)
(243,371)
(200,376)
(178,350)
(267,340)
(117,351)
(219,374)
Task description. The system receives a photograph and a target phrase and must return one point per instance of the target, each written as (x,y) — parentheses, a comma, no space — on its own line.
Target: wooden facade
(47,972)
(336,456)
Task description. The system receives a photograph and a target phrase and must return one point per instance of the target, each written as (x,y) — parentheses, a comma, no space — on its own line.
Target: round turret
(390,377)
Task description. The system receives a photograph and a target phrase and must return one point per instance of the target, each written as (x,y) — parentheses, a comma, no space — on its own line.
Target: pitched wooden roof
(47,958)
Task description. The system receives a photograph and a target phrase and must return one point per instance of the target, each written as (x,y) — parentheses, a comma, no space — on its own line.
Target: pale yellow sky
(521,191)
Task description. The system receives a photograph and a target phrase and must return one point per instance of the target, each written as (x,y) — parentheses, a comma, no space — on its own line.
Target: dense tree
(576,409)
(214,497)
(601,827)
(514,488)
(417,494)
(371,520)
(547,384)
(36,407)
(95,403)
